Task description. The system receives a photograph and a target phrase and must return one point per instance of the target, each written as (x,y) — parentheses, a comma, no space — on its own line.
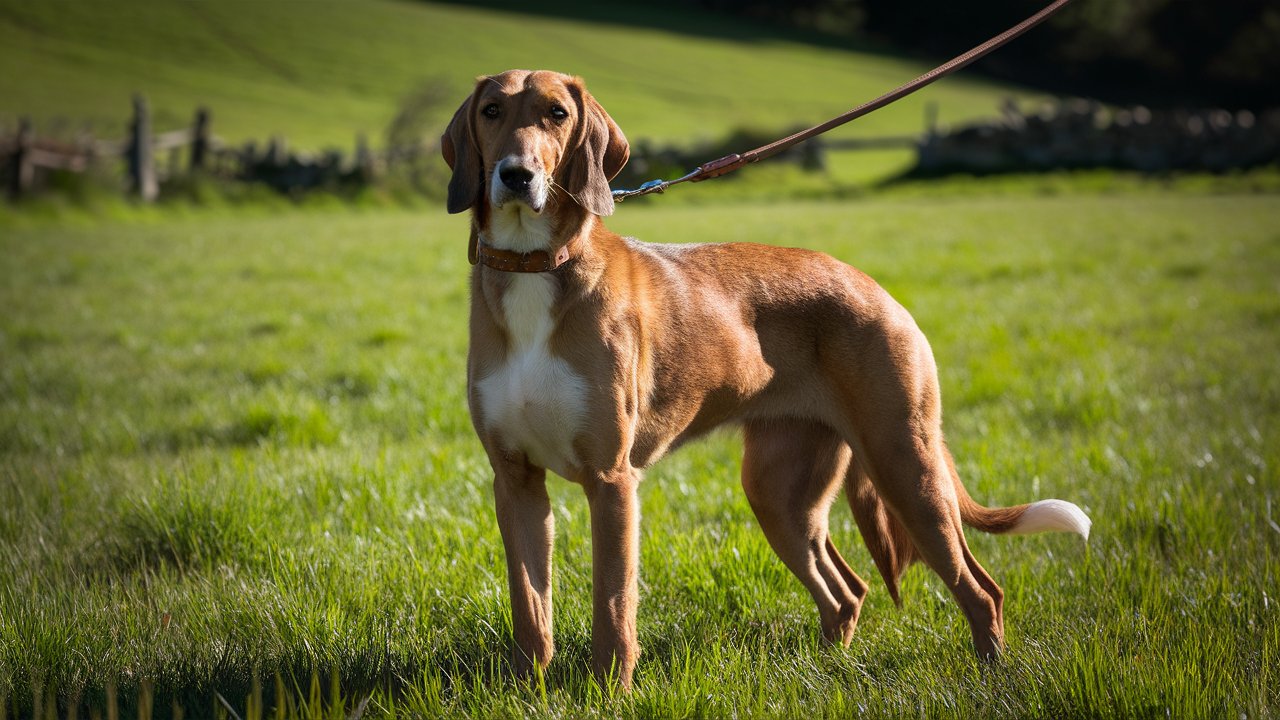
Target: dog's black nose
(516,178)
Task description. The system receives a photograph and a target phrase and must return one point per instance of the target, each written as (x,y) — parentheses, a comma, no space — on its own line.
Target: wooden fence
(149,159)
(1072,134)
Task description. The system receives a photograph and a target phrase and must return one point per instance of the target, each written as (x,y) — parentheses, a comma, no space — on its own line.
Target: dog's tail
(1040,516)
(891,547)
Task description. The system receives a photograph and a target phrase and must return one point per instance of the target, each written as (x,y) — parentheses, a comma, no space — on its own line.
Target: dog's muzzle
(514,180)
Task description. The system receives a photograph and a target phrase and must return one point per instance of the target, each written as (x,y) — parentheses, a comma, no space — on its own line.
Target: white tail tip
(1053,516)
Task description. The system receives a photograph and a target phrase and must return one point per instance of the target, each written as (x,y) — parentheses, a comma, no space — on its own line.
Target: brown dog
(593,355)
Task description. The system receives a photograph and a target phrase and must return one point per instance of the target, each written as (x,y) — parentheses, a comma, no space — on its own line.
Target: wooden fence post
(24,171)
(248,160)
(200,140)
(277,152)
(142,169)
(364,159)
(175,162)
(931,118)
(927,147)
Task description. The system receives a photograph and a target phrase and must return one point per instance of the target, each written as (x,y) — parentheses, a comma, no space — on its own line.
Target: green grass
(235,454)
(321,71)
(236,446)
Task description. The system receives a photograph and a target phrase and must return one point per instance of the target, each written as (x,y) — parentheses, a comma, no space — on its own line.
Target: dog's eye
(558,113)
(491,110)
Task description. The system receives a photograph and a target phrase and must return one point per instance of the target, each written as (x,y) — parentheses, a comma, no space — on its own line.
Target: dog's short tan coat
(597,369)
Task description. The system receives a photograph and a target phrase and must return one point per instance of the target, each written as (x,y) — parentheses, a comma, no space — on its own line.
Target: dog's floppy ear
(461,153)
(599,153)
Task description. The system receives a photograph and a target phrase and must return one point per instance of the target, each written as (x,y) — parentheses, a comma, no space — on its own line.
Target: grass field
(319,72)
(235,450)
(236,464)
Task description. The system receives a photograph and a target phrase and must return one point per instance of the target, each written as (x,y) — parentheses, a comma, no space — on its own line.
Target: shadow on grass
(185,532)
(310,427)
(294,686)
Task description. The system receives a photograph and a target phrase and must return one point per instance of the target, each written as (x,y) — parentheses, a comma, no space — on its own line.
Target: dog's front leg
(527,527)
(615,557)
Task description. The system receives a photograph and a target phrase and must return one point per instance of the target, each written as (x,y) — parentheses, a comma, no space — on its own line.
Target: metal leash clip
(653,186)
(659,186)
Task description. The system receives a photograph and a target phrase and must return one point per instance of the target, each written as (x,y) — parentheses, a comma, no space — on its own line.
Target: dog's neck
(527,241)
(516,228)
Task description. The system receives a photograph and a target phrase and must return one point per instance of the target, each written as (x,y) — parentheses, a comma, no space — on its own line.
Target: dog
(594,355)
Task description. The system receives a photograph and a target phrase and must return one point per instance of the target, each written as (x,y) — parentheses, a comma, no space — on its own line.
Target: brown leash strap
(729,163)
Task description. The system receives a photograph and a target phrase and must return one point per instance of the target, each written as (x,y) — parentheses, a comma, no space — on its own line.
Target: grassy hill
(321,71)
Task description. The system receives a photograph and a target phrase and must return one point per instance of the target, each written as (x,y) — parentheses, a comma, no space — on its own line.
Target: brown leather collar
(509,261)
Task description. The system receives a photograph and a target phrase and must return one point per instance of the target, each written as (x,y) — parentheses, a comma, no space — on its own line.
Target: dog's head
(533,138)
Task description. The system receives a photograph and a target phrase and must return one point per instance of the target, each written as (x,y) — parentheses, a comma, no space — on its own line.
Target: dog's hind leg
(916,486)
(791,471)
(893,416)
(890,545)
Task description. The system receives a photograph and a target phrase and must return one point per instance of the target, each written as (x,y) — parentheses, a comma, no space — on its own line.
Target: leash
(729,163)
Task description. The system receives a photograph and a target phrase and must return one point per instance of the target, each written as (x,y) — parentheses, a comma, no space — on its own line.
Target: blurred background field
(320,75)
(351,96)
(237,473)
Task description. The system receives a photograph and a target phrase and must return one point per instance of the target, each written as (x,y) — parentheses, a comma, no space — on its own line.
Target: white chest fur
(534,401)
